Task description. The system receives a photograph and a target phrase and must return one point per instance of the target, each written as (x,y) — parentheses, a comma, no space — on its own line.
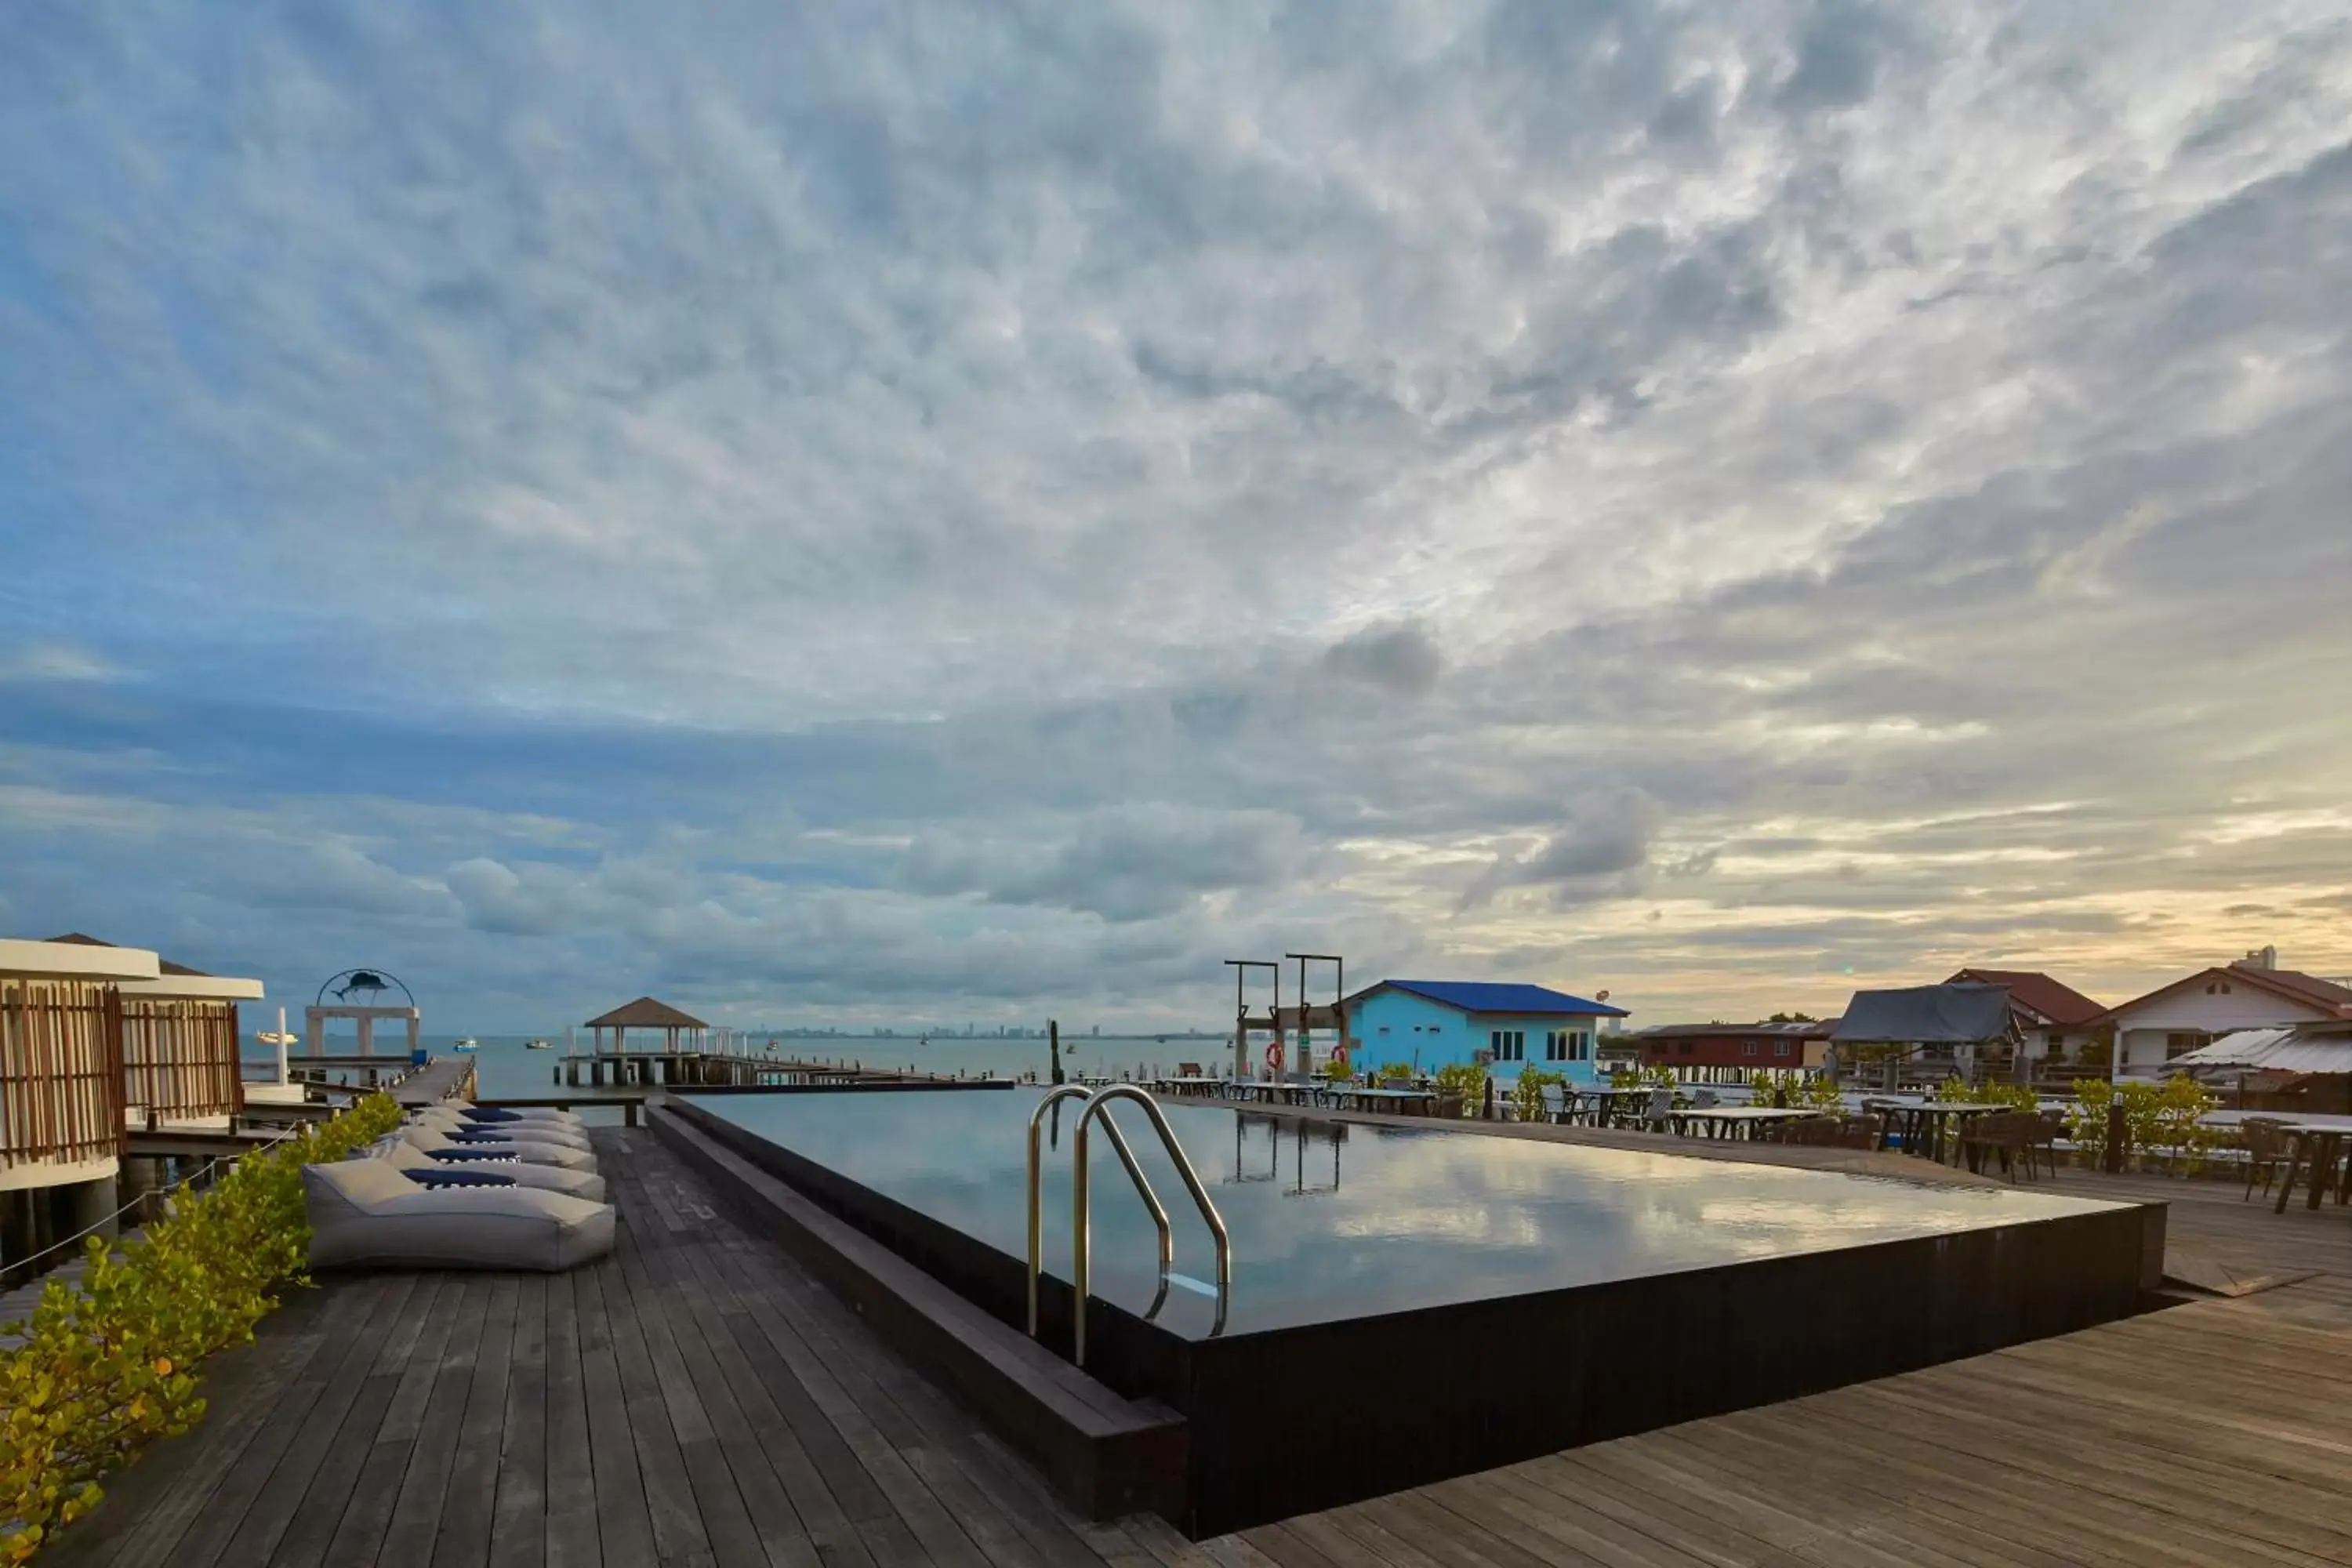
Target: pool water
(1336,1221)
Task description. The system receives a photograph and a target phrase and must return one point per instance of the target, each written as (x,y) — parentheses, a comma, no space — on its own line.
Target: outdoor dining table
(1925,1122)
(1188,1084)
(1735,1121)
(1357,1097)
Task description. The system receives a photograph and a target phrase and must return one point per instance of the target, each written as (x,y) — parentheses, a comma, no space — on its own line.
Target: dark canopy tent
(1942,1020)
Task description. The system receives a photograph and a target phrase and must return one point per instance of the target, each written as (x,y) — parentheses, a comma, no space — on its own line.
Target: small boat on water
(467,1044)
(539,1044)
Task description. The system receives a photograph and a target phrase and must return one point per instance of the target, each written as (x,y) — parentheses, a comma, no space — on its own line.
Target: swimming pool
(1407,1303)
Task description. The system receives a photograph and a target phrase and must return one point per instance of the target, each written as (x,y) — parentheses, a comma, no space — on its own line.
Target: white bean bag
(510,1113)
(364,1212)
(407,1156)
(433,1140)
(456,1126)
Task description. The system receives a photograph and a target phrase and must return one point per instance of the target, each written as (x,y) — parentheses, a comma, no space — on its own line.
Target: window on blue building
(1566,1045)
(1508,1044)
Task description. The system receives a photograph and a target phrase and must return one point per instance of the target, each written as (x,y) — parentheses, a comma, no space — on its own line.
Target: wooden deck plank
(209,1535)
(149,1507)
(432,1449)
(572,1538)
(463,1540)
(318,1426)
(366,1514)
(342,1470)
(1006,1520)
(678,1526)
(519,1518)
(699,1409)
(692,1320)
(700,1398)
(624,1517)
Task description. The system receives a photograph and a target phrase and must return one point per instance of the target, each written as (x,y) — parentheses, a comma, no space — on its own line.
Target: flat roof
(209,987)
(75,961)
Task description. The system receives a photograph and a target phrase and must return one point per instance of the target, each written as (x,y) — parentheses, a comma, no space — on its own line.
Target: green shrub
(1466,1079)
(1793,1089)
(110,1364)
(1336,1072)
(2164,1116)
(1956,1090)
(1396,1072)
(1527,1094)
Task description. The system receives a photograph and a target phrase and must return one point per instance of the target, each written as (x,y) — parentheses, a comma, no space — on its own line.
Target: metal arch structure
(377,981)
(370,984)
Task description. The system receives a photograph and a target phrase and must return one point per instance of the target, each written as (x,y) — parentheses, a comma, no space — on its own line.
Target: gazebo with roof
(683,1037)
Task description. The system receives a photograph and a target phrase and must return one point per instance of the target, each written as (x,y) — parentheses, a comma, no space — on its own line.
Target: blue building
(1502,1026)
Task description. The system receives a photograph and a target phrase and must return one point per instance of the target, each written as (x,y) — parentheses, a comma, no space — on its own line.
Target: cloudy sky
(934,511)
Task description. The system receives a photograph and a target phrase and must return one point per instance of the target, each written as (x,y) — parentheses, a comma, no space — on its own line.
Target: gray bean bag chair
(452,1126)
(366,1213)
(472,1112)
(407,1156)
(434,1142)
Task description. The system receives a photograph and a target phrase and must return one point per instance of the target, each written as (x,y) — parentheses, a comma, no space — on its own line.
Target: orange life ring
(1273,1056)
(1339,1054)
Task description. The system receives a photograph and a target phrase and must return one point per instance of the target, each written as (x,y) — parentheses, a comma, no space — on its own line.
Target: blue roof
(1502,997)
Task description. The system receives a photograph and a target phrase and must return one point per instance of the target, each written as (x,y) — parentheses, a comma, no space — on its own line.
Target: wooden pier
(698,1398)
(717,1069)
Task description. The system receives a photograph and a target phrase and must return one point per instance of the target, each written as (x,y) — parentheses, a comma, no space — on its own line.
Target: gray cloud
(980,506)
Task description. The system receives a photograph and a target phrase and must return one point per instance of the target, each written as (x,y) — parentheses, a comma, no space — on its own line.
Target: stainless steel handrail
(1081,1218)
(1126,1157)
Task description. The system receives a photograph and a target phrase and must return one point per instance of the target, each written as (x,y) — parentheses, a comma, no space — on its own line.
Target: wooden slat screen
(60,1071)
(180,1057)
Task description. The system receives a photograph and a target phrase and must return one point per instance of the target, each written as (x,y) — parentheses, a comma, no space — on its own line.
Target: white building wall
(2141,1031)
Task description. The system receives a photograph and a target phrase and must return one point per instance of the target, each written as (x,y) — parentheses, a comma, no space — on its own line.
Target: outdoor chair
(1658,1114)
(451,1124)
(366,1213)
(536,1113)
(419,1165)
(2013,1135)
(2266,1153)
(441,1146)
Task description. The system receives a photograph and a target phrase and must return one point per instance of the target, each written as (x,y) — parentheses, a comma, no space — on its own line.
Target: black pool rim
(1285,1421)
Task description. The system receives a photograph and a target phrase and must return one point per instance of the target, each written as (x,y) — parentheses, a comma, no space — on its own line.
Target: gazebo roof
(645,1013)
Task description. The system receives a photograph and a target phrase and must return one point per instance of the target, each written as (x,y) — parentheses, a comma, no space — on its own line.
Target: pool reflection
(1333,1220)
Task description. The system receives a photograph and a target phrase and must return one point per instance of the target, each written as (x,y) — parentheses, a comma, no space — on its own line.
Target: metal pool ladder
(1081,1237)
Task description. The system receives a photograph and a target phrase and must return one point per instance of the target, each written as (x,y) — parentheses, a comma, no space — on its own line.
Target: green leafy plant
(1957,1091)
(1527,1094)
(2167,1116)
(1396,1072)
(1793,1089)
(109,1364)
(1336,1072)
(1467,1079)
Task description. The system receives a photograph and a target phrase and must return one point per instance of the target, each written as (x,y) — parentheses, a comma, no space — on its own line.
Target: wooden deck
(698,1400)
